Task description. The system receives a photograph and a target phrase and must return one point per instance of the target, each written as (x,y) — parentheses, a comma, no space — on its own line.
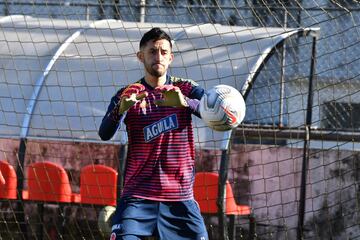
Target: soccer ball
(104,219)
(222,108)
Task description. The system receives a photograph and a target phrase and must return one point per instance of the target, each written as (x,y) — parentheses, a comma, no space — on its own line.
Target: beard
(158,72)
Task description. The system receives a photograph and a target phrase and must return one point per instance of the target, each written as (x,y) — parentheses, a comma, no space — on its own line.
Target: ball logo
(232,116)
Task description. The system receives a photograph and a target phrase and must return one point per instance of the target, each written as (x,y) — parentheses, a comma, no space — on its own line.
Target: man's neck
(155,81)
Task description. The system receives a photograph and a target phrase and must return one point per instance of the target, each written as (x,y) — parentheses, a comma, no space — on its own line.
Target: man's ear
(140,56)
(172,57)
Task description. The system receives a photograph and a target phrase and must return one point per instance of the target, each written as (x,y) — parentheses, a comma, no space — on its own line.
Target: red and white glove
(131,95)
(172,96)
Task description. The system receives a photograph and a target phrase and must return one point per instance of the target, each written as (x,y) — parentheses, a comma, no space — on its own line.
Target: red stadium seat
(206,194)
(49,182)
(8,190)
(98,185)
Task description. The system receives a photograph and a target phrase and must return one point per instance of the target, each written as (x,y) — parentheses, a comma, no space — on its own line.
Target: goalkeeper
(157,198)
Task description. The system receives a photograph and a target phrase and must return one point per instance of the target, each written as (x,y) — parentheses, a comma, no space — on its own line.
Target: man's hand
(131,95)
(172,97)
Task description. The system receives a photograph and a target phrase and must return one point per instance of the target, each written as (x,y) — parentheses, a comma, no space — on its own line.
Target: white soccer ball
(222,108)
(104,219)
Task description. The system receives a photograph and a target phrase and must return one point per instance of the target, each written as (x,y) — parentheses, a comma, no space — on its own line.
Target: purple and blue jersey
(160,162)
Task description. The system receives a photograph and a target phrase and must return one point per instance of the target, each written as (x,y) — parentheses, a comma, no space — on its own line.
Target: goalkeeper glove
(172,97)
(131,95)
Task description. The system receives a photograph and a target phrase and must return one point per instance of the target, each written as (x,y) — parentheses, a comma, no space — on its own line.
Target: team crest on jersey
(163,125)
(113,236)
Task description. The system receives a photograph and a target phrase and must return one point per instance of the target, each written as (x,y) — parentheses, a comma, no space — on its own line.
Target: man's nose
(158,55)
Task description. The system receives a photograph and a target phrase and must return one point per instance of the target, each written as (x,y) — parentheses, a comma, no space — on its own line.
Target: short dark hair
(154,34)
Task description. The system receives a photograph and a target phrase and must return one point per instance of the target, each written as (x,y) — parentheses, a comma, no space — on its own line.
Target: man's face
(156,57)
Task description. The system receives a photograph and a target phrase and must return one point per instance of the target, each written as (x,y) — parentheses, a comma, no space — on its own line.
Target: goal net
(294,160)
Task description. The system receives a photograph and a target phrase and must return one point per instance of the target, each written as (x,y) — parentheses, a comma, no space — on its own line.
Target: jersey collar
(167,82)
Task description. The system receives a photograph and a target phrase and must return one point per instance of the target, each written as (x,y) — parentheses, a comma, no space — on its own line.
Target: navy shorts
(136,218)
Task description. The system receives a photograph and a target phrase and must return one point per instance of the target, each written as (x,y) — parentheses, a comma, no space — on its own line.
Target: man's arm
(194,99)
(120,103)
(193,104)
(173,97)
(111,120)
